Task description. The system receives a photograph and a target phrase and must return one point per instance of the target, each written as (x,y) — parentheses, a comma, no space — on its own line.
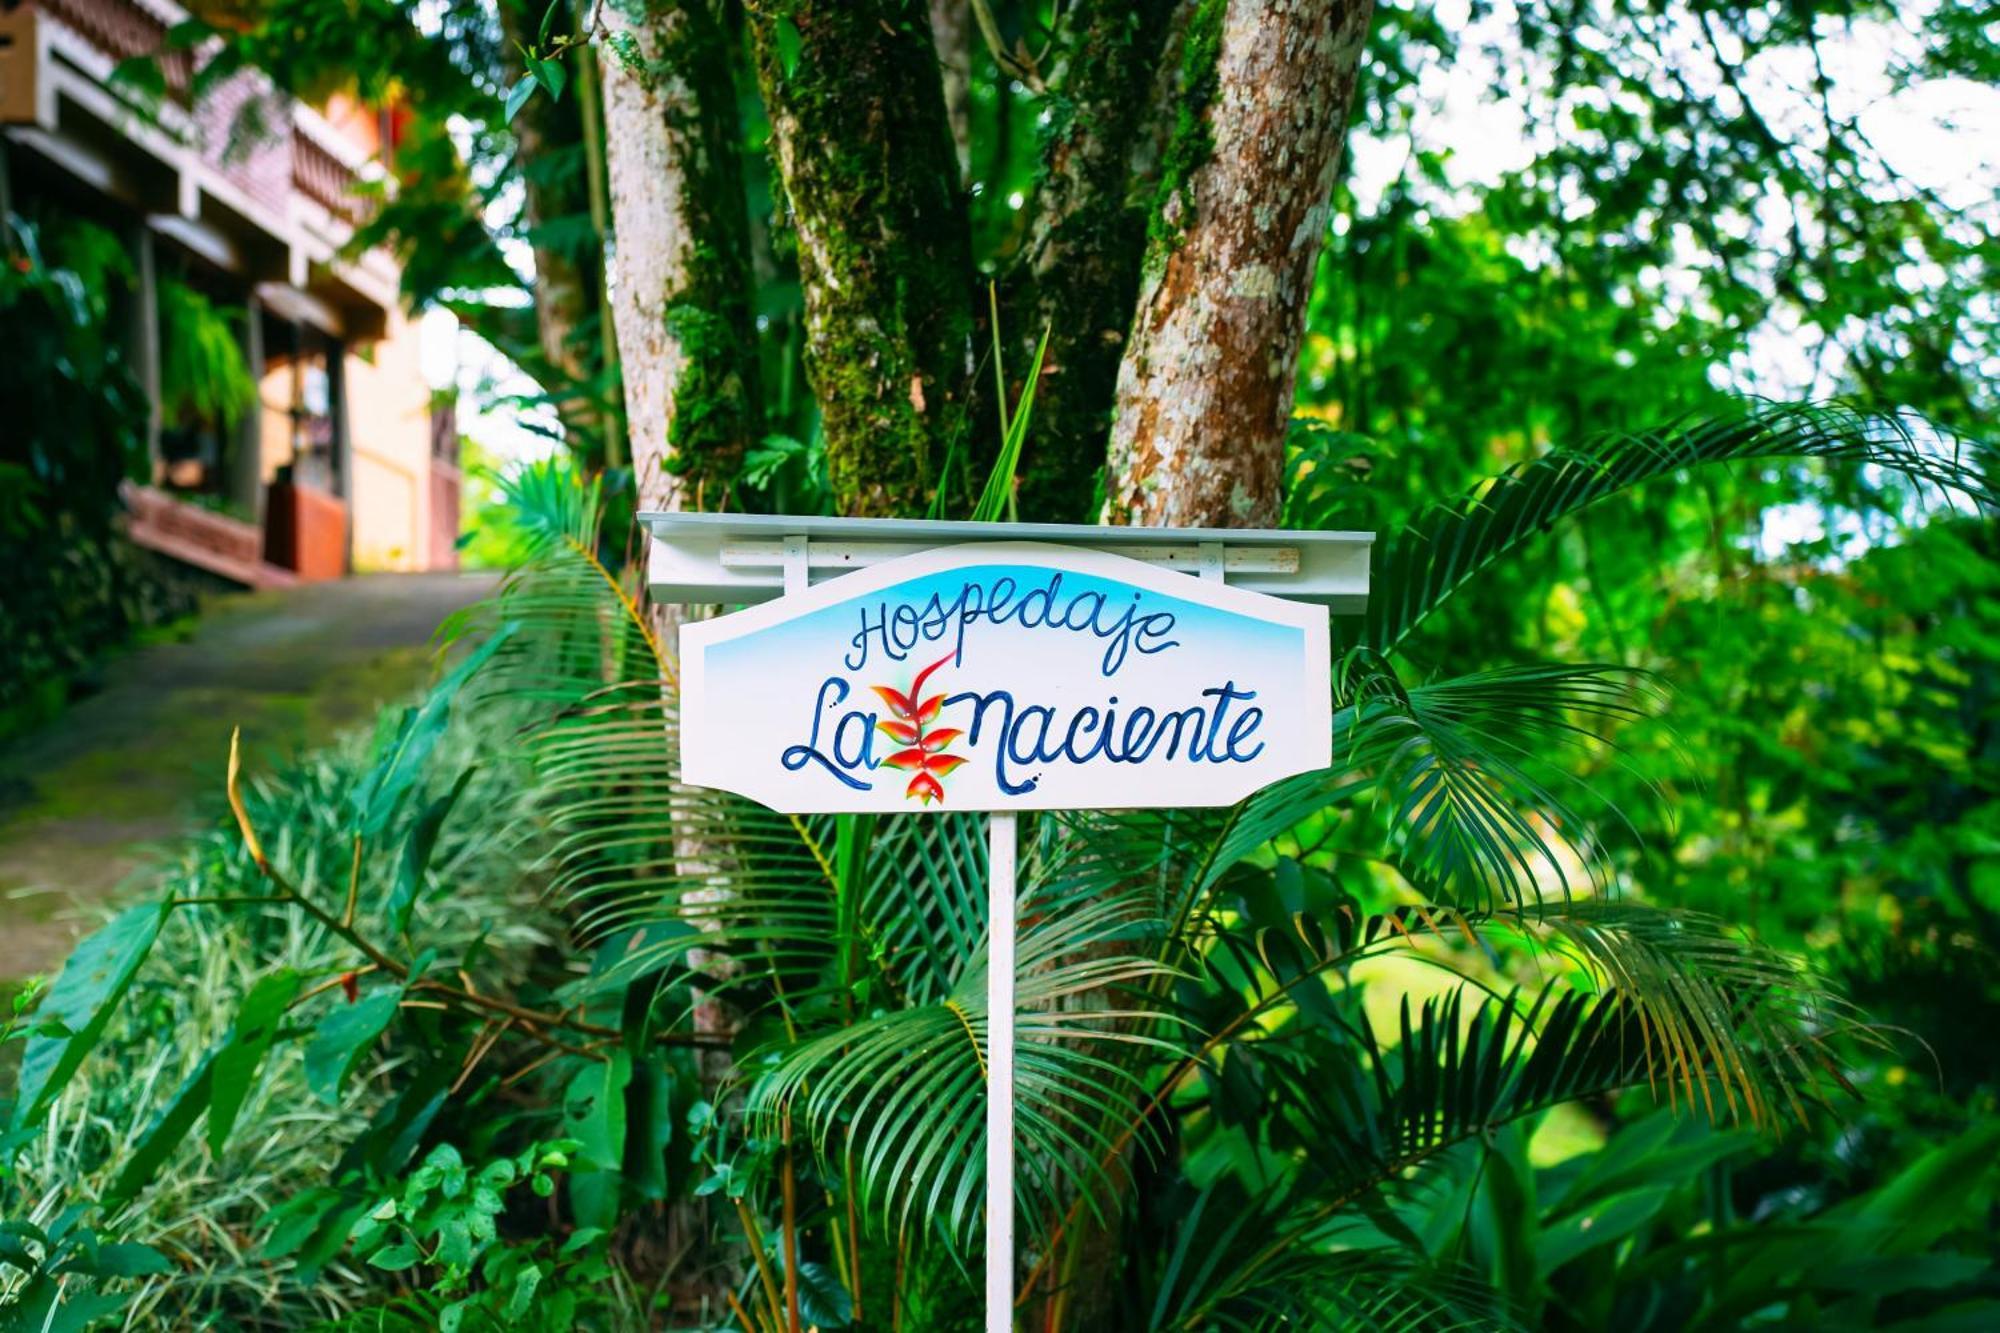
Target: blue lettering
(797,757)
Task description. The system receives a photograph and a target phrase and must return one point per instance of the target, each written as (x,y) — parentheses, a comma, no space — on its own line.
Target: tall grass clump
(209,1212)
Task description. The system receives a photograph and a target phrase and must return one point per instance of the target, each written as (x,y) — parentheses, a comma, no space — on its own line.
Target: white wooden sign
(932,666)
(1003,676)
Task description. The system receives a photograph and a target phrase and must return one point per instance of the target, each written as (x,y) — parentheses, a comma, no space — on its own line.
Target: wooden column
(343,442)
(246,455)
(144,338)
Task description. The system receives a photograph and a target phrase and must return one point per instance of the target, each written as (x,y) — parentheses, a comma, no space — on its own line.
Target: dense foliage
(1630,970)
(75,430)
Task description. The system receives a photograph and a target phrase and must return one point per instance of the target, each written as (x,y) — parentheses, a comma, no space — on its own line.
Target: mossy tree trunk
(951,30)
(1078,274)
(1205,387)
(548,145)
(681,283)
(864,149)
(680,259)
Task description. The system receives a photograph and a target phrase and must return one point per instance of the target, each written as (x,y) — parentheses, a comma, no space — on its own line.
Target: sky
(1943,135)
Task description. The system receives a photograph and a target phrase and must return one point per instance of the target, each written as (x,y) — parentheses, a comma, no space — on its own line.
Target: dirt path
(84,800)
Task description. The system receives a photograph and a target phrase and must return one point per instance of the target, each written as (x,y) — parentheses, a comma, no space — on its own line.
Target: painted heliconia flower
(924,746)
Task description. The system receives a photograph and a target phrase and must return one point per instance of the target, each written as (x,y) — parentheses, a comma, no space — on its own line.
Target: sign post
(1000,914)
(884,666)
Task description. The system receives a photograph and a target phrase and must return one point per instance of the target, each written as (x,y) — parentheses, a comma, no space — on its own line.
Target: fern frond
(1446,547)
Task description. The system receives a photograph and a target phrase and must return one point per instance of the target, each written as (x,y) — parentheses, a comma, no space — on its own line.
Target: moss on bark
(1079,273)
(1193,139)
(865,152)
(683,291)
(716,411)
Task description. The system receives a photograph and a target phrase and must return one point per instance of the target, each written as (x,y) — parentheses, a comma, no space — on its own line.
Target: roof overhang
(739,559)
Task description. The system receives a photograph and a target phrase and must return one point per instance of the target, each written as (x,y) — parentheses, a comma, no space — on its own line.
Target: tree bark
(1205,387)
(566,285)
(951,30)
(1080,267)
(864,149)
(680,253)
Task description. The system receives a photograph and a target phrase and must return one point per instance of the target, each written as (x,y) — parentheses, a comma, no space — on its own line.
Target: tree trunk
(680,255)
(1080,267)
(1205,388)
(566,275)
(951,29)
(864,149)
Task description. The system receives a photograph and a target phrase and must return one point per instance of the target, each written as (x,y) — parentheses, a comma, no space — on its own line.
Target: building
(245,199)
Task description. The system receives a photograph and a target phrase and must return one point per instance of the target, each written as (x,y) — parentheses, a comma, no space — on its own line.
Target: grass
(204,1210)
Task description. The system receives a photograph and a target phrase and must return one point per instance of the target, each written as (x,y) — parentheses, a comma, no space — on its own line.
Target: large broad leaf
(236,1064)
(401,762)
(79,1004)
(417,851)
(823,1301)
(1604,1222)
(594,1115)
(342,1035)
(169,1127)
(1947,1187)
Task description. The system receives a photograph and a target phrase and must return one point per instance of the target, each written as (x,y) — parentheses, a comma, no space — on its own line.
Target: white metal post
(1000,844)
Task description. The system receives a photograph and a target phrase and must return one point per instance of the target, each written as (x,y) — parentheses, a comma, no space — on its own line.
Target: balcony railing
(122,30)
(320,175)
(248,132)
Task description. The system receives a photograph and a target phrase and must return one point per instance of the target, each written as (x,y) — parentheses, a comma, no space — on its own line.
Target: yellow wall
(388,415)
(388,423)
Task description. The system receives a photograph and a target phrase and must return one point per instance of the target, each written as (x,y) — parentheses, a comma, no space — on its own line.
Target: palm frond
(1360,1118)
(901,1095)
(923,905)
(1447,546)
(1459,769)
(1717,1014)
(1209,1277)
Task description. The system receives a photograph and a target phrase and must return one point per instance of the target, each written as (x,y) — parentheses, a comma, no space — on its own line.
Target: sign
(1003,676)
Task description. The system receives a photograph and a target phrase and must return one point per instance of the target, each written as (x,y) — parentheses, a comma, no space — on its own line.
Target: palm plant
(780,1034)
(1214,1122)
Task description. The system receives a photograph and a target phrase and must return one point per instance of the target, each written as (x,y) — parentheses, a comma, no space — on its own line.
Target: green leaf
(169,1127)
(523,1295)
(790,45)
(823,1301)
(580,1239)
(129,1259)
(594,1115)
(236,1065)
(382,788)
(1929,1197)
(1889,1275)
(551,75)
(518,95)
(94,979)
(395,1258)
(1442,551)
(14,1239)
(1602,1223)
(417,849)
(997,498)
(81,1310)
(342,1034)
